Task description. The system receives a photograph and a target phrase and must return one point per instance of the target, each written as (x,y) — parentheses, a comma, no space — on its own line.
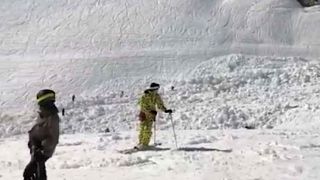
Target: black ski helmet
(46,95)
(154,86)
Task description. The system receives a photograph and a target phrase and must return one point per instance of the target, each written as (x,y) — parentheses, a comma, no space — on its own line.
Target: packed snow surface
(235,65)
(205,155)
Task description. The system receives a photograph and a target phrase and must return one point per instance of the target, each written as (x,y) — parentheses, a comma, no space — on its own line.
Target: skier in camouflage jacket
(149,103)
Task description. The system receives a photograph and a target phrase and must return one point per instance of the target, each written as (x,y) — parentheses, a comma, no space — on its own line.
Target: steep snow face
(94,28)
(74,46)
(95,49)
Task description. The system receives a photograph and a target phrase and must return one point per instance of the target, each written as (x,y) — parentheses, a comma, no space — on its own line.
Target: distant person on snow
(43,136)
(73,98)
(63,111)
(149,103)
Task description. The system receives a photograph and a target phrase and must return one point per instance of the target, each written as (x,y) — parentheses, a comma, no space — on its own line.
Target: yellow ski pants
(146,122)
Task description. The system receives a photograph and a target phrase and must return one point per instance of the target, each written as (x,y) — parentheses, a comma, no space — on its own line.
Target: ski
(185,149)
(134,150)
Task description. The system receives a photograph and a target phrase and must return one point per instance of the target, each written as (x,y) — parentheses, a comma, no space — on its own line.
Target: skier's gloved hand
(168,111)
(30,172)
(153,112)
(39,156)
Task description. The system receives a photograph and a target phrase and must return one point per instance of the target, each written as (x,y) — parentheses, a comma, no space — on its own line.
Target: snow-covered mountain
(234,64)
(95,49)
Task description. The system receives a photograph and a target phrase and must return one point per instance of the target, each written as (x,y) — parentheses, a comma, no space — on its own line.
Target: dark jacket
(45,133)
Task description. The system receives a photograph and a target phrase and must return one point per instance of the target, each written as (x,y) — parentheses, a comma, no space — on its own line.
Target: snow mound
(234,91)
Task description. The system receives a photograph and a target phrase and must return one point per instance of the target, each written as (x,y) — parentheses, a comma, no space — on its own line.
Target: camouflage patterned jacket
(150,101)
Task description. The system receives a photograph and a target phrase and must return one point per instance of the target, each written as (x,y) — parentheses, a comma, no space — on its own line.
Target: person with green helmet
(43,136)
(149,103)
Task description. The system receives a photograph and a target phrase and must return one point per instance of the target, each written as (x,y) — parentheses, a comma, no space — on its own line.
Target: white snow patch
(272,153)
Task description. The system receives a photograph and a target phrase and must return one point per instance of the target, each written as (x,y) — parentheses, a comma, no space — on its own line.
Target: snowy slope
(74,46)
(234,64)
(95,49)
(206,155)
(95,28)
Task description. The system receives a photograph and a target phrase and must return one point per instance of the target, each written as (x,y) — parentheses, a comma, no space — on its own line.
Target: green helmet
(45,96)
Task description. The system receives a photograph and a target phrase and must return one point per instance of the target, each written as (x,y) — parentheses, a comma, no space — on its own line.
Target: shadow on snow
(194,149)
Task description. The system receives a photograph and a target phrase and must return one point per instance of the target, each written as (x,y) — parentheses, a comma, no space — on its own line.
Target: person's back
(150,101)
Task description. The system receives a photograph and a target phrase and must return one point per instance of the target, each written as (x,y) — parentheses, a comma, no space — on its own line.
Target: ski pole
(154,132)
(174,132)
(154,135)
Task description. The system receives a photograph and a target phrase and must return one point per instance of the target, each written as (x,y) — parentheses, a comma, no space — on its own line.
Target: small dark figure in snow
(107,130)
(121,94)
(172,88)
(63,111)
(249,127)
(73,98)
(43,136)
